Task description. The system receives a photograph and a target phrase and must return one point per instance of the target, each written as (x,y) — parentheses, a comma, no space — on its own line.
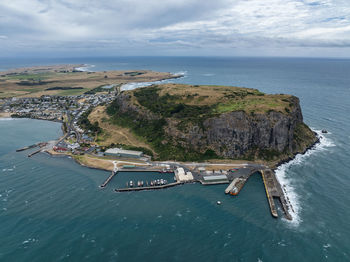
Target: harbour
(236,177)
(205,174)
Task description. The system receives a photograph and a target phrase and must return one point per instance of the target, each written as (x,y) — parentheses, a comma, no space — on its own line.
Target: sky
(300,28)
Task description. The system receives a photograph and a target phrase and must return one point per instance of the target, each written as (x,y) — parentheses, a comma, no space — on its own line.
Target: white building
(182,176)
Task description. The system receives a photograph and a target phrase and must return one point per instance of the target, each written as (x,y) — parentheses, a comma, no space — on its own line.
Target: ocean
(51,209)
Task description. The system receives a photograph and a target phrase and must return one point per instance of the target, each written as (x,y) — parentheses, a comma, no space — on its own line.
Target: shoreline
(5,115)
(289,159)
(274,167)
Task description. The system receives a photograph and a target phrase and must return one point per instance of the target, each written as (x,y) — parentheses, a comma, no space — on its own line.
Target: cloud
(153,25)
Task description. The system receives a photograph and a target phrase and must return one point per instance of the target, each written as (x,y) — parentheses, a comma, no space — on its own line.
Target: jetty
(40,144)
(113,173)
(35,152)
(129,189)
(108,179)
(27,147)
(274,191)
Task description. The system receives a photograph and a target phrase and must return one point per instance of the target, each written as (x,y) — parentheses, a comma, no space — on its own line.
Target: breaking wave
(85,68)
(286,181)
(181,73)
(132,86)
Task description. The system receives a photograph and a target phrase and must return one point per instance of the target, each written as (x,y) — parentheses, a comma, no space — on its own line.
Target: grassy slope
(119,136)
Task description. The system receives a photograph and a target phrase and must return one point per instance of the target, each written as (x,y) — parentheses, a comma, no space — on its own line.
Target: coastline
(291,158)
(273,166)
(5,115)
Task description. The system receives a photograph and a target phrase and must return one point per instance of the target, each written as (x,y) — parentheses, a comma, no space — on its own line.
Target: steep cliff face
(236,134)
(262,131)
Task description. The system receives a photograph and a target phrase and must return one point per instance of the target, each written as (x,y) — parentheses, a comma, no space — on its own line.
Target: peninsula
(206,134)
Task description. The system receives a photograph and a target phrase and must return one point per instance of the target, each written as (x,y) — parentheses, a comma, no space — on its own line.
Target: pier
(41,145)
(274,191)
(114,172)
(108,179)
(129,189)
(35,152)
(27,147)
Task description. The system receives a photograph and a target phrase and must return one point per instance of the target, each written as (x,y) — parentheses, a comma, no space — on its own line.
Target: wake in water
(286,181)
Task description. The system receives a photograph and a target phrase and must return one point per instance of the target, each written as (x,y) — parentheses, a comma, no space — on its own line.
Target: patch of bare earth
(112,133)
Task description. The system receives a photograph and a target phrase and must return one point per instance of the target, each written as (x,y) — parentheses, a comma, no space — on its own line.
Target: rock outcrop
(235,134)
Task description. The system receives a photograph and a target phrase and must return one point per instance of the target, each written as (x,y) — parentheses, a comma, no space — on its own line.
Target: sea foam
(287,182)
(85,68)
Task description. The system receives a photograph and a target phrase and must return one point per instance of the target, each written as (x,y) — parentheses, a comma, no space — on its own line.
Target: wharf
(108,179)
(129,189)
(27,147)
(274,191)
(214,182)
(35,152)
(144,169)
(236,185)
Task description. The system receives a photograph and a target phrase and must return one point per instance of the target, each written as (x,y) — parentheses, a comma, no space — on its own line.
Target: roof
(122,151)
(210,178)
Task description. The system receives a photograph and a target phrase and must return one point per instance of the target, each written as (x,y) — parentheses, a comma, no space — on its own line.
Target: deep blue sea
(51,209)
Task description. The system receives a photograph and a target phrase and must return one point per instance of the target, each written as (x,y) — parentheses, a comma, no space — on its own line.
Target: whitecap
(327,245)
(208,74)
(85,68)
(180,73)
(29,240)
(178,214)
(134,85)
(293,200)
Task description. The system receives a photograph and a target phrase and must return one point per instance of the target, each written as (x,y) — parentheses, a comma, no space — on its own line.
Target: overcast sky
(175,27)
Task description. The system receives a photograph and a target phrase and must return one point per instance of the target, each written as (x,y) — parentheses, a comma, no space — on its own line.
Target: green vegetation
(34,82)
(303,136)
(133,73)
(168,105)
(63,88)
(96,90)
(152,131)
(212,101)
(25,76)
(87,125)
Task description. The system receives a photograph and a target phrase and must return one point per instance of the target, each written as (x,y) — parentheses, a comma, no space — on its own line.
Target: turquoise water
(51,209)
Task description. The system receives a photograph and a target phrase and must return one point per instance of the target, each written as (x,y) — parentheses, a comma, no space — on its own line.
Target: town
(65,109)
